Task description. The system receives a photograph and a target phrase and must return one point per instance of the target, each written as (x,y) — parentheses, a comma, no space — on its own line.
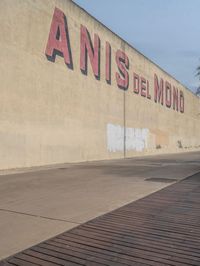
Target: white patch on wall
(136,138)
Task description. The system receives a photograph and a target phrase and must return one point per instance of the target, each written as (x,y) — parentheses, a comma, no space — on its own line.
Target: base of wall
(91,162)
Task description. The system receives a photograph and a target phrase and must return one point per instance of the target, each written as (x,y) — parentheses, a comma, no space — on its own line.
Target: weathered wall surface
(52,113)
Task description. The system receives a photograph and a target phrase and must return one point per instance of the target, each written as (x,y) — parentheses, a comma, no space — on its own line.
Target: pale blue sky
(166,31)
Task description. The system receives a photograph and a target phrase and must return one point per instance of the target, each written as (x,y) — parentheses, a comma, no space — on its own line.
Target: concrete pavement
(37,205)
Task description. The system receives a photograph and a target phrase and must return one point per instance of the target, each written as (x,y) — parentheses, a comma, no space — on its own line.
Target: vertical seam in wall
(124,103)
(124,107)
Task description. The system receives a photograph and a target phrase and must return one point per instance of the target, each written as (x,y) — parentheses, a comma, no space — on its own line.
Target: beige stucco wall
(50,114)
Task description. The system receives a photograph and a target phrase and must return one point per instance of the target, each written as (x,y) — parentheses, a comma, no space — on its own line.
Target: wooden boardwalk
(160,229)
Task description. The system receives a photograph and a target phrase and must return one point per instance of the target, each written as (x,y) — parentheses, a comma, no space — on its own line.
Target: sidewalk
(161,229)
(36,206)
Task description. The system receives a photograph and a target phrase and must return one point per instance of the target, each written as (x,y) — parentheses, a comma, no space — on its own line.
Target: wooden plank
(160,229)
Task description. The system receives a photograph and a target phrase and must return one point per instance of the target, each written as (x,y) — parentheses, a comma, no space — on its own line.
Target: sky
(166,31)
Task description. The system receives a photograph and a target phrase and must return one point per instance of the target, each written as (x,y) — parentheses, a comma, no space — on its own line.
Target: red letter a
(58,42)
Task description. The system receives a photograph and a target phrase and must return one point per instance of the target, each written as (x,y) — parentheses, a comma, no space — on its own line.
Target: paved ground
(35,206)
(160,229)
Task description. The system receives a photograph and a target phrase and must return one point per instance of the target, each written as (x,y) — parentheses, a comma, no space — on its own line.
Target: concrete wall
(52,114)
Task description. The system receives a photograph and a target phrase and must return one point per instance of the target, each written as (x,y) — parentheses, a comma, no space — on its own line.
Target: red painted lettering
(86,48)
(148,93)
(136,84)
(143,87)
(123,64)
(58,41)
(168,94)
(158,90)
(108,63)
(182,107)
(175,99)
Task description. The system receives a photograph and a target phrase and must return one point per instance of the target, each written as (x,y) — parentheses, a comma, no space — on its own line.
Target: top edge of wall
(131,46)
